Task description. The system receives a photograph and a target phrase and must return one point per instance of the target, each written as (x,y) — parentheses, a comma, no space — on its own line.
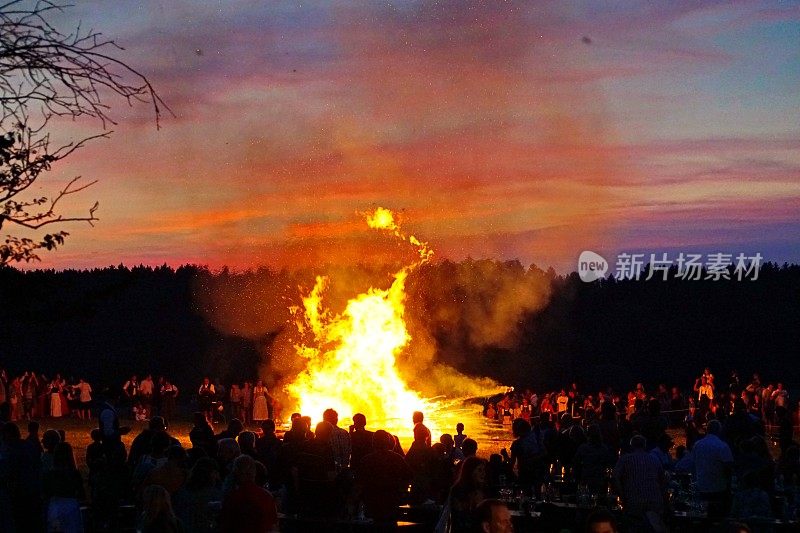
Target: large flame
(352,360)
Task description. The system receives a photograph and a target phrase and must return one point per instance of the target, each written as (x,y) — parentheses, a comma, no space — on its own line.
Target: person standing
(169,393)
(55,398)
(131,392)
(205,395)
(261,399)
(340,440)
(641,483)
(418,417)
(146,395)
(85,397)
(713,462)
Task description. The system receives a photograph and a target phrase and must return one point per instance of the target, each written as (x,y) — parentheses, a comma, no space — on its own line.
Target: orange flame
(351,364)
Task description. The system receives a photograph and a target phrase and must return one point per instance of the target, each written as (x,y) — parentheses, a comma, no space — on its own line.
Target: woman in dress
(63,388)
(260,407)
(55,398)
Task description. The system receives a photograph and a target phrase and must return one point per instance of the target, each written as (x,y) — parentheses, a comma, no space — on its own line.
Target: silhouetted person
(340,440)
(641,483)
(314,472)
(421,461)
(202,435)
(19,481)
(418,418)
(713,461)
(157,513)
(493,516)
(141,443)
(469,447)
(63,491)
(383,477)
(191,501)
(469,490)
(232,432)
(361,440)
(591,461)
(247,507)
(268,447)
(33,436)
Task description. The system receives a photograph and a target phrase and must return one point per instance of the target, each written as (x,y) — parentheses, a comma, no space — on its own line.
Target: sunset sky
(530,130)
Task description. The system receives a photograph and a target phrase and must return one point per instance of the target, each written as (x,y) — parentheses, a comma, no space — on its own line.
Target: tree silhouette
(46,74)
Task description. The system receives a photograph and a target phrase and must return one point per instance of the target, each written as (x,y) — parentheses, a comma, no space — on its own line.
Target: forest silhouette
(522,326)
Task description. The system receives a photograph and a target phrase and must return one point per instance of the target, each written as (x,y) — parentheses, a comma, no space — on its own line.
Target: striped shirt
(640,478)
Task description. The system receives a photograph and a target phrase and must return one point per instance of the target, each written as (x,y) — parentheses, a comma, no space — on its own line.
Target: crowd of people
(234,479)
(767,401)
(30,396)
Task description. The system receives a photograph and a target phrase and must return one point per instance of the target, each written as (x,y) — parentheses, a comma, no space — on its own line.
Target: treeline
(522,326)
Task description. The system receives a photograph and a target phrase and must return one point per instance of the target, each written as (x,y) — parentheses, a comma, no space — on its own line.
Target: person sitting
(383,477)
(235,427)
(202,435)
(247,507)
(662,451)
(227,452)
(18,464)
(601,521)
(247,443)
(314,472)
(156,457)
(33,436)
(751,501)
(492,516)
(452,453)
(141,443)
(63,491)
(469,490)
(469,447)
(500,473)
(591,461)
(267,450)
(191,501)
(684,461)
(50,440)
(171,475)
(157,513)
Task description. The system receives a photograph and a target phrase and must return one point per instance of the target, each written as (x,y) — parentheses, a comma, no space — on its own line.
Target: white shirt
(710,457)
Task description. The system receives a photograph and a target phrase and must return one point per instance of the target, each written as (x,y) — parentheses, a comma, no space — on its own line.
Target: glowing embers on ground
(352,360)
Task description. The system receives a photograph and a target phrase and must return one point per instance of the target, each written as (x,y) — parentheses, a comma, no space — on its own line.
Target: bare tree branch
(46,73)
